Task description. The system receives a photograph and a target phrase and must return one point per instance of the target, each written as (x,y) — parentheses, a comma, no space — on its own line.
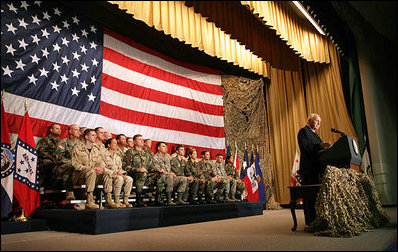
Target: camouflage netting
(347,204)
(245,122)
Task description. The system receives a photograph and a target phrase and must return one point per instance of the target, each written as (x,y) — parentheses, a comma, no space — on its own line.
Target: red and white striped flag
(295,168)
(236,160)
(76,71)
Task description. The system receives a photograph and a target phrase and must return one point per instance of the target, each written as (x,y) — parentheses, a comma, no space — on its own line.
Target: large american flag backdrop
(72,70)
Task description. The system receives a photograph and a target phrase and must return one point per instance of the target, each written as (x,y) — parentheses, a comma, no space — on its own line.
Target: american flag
(72,70)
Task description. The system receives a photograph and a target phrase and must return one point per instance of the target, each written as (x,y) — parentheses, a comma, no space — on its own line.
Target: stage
(102,221)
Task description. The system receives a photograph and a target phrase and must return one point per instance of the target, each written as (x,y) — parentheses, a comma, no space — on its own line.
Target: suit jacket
(310,167)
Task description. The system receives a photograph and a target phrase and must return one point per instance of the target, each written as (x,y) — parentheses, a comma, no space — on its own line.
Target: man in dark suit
(311,170)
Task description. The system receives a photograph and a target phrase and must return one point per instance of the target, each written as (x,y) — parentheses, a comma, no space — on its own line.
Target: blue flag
(251,159)
(245,165)
(228,154)
(259,174)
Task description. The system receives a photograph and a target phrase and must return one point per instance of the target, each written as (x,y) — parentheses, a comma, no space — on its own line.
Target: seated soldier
(230,184)
(161,163)
(90,169)
(46,148)
(64,169)
(119,176)
(121,143)
(130,143)
(178,165)
(234,174)
(192,170)
(148,146)
(138,163)
(212,180)
(82,129)
(107,135)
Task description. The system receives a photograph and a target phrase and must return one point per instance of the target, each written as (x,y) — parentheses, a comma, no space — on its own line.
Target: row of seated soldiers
(86,157)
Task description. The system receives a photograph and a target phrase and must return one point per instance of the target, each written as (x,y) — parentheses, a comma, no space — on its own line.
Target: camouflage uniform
(230,185)
(151,153)
(46,148)
(133,160)
(240,185)
(159,163)
(83,161)
(178,167)
(212,184)
(64,169)
(114,163)
(120,152)
(194,170)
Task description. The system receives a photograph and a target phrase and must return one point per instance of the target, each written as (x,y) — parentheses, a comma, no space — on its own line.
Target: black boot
(209,199)
(179,200)
(140,201)
(193,201)
(159,199)
(201,200)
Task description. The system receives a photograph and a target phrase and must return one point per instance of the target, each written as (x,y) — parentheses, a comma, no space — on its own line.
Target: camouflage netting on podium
(245,122)
(347,204)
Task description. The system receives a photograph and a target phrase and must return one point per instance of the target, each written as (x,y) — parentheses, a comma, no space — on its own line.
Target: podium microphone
(337,131)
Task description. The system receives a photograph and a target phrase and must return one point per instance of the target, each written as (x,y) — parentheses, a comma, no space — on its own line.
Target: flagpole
(2,95)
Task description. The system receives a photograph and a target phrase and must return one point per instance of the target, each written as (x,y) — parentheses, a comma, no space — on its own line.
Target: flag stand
(21,218)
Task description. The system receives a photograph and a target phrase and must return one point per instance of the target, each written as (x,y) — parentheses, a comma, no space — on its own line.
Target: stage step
(102,221)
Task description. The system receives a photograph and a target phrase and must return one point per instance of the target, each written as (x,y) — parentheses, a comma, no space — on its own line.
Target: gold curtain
(325,97)
(287,112)
(249,30)
(299,34)
(181,22)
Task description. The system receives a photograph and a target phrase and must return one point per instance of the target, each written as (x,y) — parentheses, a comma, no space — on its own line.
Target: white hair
(311,116)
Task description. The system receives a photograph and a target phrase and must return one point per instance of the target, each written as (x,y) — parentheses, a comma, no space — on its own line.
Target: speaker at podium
(344,153)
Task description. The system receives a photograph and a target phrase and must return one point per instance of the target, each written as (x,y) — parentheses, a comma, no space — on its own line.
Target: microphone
(337,131)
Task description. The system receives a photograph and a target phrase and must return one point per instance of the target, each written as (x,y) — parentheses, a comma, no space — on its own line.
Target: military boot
(209,199)
(201,200)
(90,202)
(218,197)
(193,201)
(159,199)
(109,202)
(70,195)
(235,199)
(170,200)
(179,199)
(118,203)
(126,201)
(228,200)
(140,201)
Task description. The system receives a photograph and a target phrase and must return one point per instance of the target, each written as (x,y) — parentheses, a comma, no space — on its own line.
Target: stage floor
(102,221)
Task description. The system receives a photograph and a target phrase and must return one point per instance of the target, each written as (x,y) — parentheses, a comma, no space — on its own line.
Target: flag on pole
(228,154)
(244,166)
(260,179)
(251,159)
(7,167)
(252,195)
(236,159)
(72,70)
(295,168)
(26,176)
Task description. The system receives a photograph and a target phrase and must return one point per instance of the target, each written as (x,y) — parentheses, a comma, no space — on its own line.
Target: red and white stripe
(143,92)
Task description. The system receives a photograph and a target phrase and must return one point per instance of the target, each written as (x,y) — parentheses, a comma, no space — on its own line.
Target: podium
(344,153)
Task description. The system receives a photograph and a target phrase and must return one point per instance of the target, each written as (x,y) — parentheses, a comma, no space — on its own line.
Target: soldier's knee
(129,179)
